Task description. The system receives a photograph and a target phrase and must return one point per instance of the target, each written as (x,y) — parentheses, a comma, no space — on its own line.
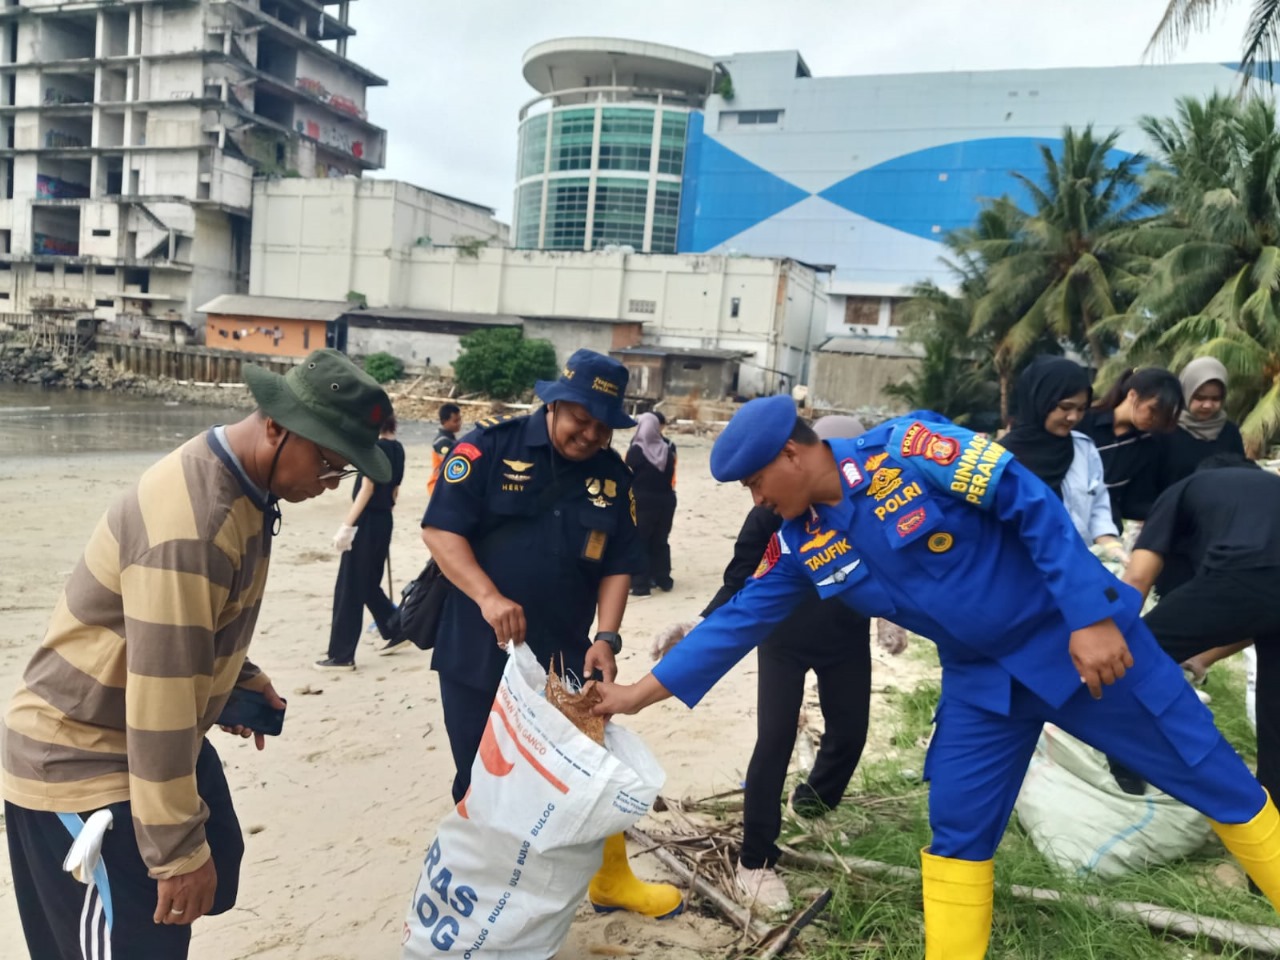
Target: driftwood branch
(1262,939)
(768,941)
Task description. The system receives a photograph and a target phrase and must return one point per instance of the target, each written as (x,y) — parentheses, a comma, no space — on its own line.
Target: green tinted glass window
(528,214)
(571,135)
(533,147)
(619,212)
(566,214)
(666,218)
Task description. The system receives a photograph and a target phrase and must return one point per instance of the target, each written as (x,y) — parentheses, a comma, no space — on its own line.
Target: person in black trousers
(652,459)
(1214,540)
(365,540)
(825,636)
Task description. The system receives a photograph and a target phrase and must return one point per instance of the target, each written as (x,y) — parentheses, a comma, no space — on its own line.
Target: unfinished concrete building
(130,134)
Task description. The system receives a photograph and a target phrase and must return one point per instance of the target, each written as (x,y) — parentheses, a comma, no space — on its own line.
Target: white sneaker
(763,889)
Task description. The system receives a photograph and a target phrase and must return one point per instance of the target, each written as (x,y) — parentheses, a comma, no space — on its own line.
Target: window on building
(671,146)
(44,268)
(642,306)
(101,233)
(666,218)
(566,227)
(735,305)
(533,147)
(626,138)
(862,311)
(733,119)
(571,134)
(104,302)
(528,214)
(619,212)
(899,315)
(4,294)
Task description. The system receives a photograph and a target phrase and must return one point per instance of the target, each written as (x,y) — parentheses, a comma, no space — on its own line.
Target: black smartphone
(248,708)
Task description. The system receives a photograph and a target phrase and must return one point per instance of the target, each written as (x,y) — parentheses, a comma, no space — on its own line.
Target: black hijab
(1045,383)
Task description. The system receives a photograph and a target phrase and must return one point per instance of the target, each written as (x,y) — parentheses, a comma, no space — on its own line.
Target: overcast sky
(454,69)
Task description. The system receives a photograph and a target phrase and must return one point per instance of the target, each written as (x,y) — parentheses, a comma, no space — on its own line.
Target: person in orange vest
(450,424)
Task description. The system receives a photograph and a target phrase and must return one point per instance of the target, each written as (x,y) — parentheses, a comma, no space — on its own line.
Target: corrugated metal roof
(434,316)
(872,347)
(277,308)
(657,350)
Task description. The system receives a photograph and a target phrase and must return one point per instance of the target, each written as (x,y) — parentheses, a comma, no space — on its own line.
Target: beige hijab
(1194,376)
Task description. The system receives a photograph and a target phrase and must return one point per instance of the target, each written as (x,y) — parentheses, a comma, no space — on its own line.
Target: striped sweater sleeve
(173,596)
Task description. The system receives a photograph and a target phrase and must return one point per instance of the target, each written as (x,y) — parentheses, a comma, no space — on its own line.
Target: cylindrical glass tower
(601,152)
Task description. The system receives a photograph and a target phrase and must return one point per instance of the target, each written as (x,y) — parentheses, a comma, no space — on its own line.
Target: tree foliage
(383,367)
(502,363)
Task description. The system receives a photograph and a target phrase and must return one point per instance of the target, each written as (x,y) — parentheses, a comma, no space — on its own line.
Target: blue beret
(756,434)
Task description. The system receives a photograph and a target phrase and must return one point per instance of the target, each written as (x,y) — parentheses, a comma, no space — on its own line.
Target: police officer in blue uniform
(942,531)
(533,523)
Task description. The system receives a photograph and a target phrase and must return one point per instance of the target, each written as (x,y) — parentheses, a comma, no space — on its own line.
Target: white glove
(890,637)
(343,539)
(1114,551)
(669,636)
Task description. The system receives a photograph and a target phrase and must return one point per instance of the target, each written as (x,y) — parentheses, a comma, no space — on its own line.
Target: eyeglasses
(330,472)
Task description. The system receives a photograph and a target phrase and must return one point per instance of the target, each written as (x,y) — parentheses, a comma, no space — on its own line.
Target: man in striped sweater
(145,645)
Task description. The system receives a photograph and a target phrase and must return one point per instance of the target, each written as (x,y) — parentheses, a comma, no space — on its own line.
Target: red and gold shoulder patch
(920,441)
(772,554)
(470,451)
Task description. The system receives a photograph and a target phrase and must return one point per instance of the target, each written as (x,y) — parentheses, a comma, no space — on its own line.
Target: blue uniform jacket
(942,531)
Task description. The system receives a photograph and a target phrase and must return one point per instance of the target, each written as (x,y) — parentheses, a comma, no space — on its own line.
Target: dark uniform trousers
(1220,607)
(359,585)
(844,694)
(653,529)
(64,919)
(466,711)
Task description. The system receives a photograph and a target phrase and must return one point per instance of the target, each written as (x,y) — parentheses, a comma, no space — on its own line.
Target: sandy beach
(339,810)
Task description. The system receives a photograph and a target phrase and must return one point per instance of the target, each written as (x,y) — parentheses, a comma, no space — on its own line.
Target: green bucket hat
(330,401)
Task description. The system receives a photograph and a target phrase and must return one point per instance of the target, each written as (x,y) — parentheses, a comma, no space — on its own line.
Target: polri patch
(920,441)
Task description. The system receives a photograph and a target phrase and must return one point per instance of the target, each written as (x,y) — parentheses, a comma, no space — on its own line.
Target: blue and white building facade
(862,173)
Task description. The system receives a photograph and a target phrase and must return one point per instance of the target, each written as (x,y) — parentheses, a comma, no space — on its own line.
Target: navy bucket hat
(597,382)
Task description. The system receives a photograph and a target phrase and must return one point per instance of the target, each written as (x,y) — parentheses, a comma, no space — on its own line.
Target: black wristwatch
(614,640)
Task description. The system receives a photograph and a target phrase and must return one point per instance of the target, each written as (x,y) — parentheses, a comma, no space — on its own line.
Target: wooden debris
(1227,933)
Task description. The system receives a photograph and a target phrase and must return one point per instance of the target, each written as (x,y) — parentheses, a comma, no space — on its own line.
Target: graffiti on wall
(50,246)
(331,136)
(51,188)
(335,101)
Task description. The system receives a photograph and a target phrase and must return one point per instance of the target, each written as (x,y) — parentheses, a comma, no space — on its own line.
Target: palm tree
(1217,291)
(1261,37)
(1076,258)
(954,375)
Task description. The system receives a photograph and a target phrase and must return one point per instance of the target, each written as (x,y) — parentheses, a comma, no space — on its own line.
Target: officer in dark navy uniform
(941,531)
(533,522)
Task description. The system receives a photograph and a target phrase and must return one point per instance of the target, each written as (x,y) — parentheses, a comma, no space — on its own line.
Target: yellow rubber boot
(957,907)
(1256,845)
(615,887)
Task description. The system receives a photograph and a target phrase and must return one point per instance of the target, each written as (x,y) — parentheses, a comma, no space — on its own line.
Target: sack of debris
(511,863)
(1079,818)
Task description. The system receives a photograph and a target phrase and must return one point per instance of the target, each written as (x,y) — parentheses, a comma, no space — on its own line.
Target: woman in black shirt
(1203,427)
(364,540)
(652,458)
(1121,425)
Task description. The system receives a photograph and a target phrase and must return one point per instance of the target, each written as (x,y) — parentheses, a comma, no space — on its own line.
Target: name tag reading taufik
(827,554)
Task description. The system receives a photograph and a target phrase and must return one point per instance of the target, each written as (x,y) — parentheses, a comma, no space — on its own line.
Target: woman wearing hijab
(1053,396)
(1203,427)
(652,459)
